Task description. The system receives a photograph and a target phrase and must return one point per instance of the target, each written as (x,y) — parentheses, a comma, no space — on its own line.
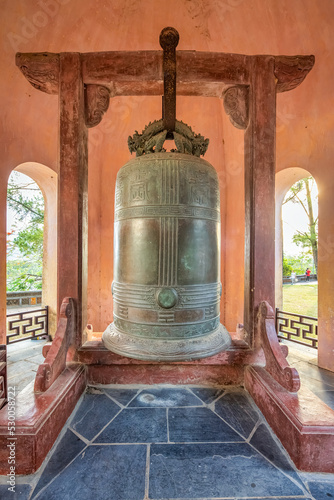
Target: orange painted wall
(305,121)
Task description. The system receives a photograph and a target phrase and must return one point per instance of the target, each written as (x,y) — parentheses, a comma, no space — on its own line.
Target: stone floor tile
(322,490)
(315,385)
(24,350)
(22,492)
(237,409)
(137,425)
(208,395)
(198,425)
(102,473)
(214,470)
(20,367)
(122,396)
(36,359)
(312,372)
(264,442)
(327,397)
(95,411)
(67,449)
(165,397)
(21,380)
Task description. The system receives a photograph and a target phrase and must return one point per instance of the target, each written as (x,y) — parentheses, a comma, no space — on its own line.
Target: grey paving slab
(322,490)
(21,492)
(237,409)
(208,395)
(312,372)
(136,425)
(327,397)
(122,396)
(265,443)
(198,424)
(136,456)
(36,359)
(102,473)
(165,397)
(21,380)
(24,350)
(94,412)
(214,470)
(19,367)
(315,385)
(66,450)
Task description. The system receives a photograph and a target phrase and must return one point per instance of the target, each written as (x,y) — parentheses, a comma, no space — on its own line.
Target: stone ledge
(39,419)
(301,421)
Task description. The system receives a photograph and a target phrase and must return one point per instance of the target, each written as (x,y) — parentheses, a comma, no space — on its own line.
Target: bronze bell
(166,289)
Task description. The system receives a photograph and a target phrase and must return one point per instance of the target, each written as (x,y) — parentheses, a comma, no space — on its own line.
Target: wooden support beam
(72,189)
(260,137)
(141,72)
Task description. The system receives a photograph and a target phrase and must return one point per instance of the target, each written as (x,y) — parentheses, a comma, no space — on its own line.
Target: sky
(294,218)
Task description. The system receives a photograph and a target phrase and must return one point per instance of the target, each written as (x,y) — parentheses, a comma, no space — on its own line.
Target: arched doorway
(46,179)
(285,179)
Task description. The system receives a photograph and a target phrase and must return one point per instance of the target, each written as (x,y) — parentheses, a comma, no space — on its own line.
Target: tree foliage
(25,242)
(287,268)
(23,275)
(301,192)
(297,264)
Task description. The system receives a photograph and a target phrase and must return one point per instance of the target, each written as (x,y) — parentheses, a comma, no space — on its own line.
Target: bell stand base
(153,349)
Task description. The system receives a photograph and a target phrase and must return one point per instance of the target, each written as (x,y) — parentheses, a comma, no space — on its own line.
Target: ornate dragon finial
(153,137)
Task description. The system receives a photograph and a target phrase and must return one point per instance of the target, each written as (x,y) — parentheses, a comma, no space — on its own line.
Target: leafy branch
(26,201)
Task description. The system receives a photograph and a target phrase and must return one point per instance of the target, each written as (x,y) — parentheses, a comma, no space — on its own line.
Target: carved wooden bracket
(276,364)
(97,100)
(236,105)
(55,361)
(291,71)
(41,70)
(140,72)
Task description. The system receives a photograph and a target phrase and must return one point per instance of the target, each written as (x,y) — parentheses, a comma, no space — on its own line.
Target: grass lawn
(301,299)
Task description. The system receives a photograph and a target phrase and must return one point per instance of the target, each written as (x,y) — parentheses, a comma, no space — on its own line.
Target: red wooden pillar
(72,188)
(3,301)
(260,190)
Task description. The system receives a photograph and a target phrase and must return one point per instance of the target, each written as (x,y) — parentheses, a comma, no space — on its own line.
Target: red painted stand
(301,421)
(39,420)
(226,368)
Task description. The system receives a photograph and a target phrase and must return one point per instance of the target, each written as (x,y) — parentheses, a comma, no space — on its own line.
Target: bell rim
(145,349)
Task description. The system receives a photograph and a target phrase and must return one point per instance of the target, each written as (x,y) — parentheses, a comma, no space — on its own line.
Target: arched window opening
(38,247)
(31,266)
(297,256)
(300,247)
(25,231)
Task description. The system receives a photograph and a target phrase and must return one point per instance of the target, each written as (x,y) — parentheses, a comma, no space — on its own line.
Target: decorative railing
(297,328)
(25,325)
(26,298)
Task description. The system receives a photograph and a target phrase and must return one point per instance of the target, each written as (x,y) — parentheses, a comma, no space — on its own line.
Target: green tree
(287,268)
(297,263)
(25,245)
(301,192)
(23,275)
